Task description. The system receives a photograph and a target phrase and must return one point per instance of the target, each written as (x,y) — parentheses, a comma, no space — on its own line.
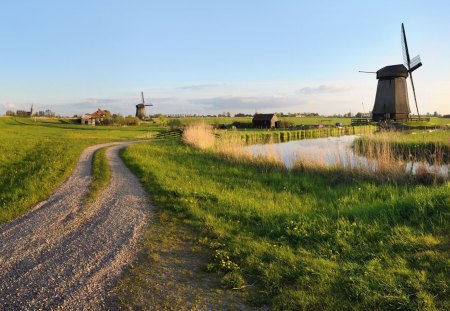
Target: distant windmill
(391,101)
(140,108)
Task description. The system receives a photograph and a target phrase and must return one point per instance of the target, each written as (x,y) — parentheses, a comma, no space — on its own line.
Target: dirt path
(61,255)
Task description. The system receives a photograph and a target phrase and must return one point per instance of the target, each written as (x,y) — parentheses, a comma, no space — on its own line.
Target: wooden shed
(267,120)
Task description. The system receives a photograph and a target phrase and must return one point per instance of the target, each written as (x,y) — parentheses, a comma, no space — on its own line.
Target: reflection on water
(329,151)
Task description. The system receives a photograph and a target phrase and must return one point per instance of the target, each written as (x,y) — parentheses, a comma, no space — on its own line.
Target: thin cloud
(198,86)
(101,100)
(227,103)
(9,106)
(324,89)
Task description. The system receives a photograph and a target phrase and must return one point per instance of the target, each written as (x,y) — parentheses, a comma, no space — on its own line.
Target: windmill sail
(405,51)
(415,63)
(410,64)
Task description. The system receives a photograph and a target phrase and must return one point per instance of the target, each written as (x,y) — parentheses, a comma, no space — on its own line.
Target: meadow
(38,155)
(306,239)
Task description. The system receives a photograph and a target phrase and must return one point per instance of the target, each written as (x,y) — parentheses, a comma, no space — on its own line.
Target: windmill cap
(393,71)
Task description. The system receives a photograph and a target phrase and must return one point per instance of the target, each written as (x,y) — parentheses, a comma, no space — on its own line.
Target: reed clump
(199,135)
(203,137)
(393,156)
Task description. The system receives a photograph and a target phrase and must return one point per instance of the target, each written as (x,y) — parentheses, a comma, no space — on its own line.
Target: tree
(174,123)
(161,119)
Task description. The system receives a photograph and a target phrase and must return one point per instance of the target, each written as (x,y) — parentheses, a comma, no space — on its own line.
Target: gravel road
(61,255)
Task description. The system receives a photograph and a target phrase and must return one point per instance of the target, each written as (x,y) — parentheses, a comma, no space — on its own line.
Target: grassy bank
(307,239)
(37,155)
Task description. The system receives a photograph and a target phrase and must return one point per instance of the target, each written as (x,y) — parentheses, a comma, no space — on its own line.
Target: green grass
(434,122)
(308,240)
(37,156)
(101,175)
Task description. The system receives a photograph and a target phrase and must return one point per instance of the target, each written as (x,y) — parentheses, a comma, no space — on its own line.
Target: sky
(209,57)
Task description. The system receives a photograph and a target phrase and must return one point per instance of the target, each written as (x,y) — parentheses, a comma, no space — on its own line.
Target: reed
(200,135)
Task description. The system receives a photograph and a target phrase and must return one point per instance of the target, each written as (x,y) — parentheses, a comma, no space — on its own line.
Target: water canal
(329,152)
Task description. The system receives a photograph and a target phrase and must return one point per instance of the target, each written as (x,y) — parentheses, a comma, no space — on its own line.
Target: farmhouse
(93,118)
(268,120)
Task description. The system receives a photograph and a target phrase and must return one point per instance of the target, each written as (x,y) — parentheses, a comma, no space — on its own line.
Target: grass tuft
(101,175)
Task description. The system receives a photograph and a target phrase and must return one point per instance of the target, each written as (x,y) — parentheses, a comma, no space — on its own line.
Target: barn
(267,120)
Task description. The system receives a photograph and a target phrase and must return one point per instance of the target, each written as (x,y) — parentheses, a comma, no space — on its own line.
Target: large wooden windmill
(391,100)
(140,108)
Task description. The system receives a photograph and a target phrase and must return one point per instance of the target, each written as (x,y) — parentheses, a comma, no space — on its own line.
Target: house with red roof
(94,118)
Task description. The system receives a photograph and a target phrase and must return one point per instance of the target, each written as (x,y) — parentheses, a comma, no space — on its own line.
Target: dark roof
(264,117)
(393,71)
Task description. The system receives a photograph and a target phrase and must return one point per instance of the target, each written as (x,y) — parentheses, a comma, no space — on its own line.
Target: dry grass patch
(199,135)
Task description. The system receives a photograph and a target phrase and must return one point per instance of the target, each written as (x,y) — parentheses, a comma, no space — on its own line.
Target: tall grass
(200,135)
(428,146)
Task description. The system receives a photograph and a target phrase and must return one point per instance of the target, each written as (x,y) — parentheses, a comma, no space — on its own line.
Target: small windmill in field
(391,101)
(140,108)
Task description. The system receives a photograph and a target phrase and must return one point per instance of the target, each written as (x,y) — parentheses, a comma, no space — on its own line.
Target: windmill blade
(414,92)
(415,63)
(406,58)
(142,94)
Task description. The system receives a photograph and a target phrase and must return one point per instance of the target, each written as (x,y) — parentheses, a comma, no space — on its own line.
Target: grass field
(36,156)
(307,240)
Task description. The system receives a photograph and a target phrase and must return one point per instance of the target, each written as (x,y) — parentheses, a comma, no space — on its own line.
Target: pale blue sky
(212,56)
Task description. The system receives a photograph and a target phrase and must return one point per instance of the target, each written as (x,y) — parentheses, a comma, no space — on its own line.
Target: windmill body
(140,109)
(391,101)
